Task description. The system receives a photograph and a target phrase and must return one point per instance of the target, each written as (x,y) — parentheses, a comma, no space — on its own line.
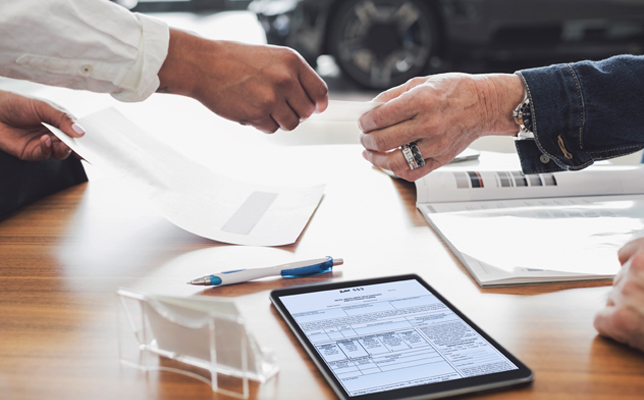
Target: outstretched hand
(22,133)
(623,317)
(267,87)
(443,114)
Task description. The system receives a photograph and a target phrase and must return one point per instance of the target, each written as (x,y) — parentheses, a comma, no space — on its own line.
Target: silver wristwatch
(523,117)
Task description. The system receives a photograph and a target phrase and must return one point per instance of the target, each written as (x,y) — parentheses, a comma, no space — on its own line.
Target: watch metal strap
(519,114)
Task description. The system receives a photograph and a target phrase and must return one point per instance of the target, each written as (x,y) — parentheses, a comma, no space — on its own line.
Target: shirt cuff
(143,80)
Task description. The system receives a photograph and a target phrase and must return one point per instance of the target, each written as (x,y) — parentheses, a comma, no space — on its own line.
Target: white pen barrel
(246,275)
(299,268)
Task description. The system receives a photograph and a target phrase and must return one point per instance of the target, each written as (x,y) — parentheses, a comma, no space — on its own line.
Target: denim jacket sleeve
(584,111)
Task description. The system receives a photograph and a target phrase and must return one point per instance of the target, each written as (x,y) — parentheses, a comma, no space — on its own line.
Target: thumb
(367,122)
(59,118)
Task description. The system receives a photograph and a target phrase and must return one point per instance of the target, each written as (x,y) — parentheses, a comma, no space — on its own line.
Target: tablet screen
(392,335)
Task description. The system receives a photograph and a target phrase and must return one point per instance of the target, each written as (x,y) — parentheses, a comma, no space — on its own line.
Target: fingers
(629,249)
(623,317)
(624,324)
(50,146)
(432,151)
(286,95)
(392,93)
(389,94)
(398,90)
(266,124)
(396,163)
(285,117)
(44,150)
(393,112)
(391,137)
(628,287)
(298,101)
(285,113)
(267,87)
(442,114)
(60,150)
(614,323)
(316,90)
(387,144)
(301,106)
(59,118)
(23,133)
(307,95)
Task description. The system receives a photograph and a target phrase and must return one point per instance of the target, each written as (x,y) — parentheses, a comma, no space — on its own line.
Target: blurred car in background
(383,43)
(196,6)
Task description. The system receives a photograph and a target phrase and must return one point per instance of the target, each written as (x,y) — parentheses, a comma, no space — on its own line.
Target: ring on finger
(409,156)
(418,157)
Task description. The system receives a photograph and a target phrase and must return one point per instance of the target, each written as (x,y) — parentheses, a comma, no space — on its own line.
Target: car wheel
(383,43)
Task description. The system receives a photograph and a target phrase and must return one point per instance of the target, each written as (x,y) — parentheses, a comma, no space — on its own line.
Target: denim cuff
(584,111)
(533,161)
(558,116)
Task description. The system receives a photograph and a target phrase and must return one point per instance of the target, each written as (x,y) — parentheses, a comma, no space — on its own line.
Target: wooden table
(63,257)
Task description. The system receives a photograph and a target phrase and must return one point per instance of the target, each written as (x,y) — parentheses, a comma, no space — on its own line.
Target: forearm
(181,69)
(583,112)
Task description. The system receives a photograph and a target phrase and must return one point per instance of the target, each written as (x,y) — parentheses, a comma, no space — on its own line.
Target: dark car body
(485,33)
(195,6)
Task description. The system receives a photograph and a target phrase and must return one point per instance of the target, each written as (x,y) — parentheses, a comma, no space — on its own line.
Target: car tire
(383,43)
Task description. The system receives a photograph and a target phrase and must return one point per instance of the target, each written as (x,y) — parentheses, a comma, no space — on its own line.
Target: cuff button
(86,70)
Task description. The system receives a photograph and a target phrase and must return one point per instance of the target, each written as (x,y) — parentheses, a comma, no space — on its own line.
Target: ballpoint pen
(291,270)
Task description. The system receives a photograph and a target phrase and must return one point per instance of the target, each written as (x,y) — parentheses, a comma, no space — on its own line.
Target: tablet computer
(394,338)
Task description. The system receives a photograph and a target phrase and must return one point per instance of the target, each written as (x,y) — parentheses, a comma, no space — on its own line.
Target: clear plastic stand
(202,337)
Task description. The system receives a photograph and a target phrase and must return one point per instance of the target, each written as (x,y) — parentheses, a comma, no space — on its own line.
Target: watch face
(526,116)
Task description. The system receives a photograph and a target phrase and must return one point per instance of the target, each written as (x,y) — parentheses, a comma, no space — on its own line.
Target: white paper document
(510,228)
(190,195)
(344,111)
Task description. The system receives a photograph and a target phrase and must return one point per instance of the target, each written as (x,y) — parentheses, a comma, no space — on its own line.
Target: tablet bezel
(427,391)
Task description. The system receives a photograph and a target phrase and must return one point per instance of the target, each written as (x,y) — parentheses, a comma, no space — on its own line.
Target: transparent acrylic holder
(201,337)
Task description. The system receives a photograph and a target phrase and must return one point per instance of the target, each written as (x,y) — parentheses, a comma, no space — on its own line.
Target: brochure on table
(510,228)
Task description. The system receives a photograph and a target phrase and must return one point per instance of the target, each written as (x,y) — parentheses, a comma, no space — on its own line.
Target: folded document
(190,195)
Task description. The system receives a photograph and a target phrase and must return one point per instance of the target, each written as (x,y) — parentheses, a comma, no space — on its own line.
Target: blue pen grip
(308,270)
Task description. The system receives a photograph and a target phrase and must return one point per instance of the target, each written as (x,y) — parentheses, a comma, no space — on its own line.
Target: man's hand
(268,87)
(21,131)
(623,317)
(443,114)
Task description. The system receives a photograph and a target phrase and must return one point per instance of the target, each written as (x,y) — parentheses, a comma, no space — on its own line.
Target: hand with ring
(441,115)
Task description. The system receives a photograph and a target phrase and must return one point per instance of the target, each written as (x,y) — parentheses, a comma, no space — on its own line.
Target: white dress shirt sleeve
(93,45)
